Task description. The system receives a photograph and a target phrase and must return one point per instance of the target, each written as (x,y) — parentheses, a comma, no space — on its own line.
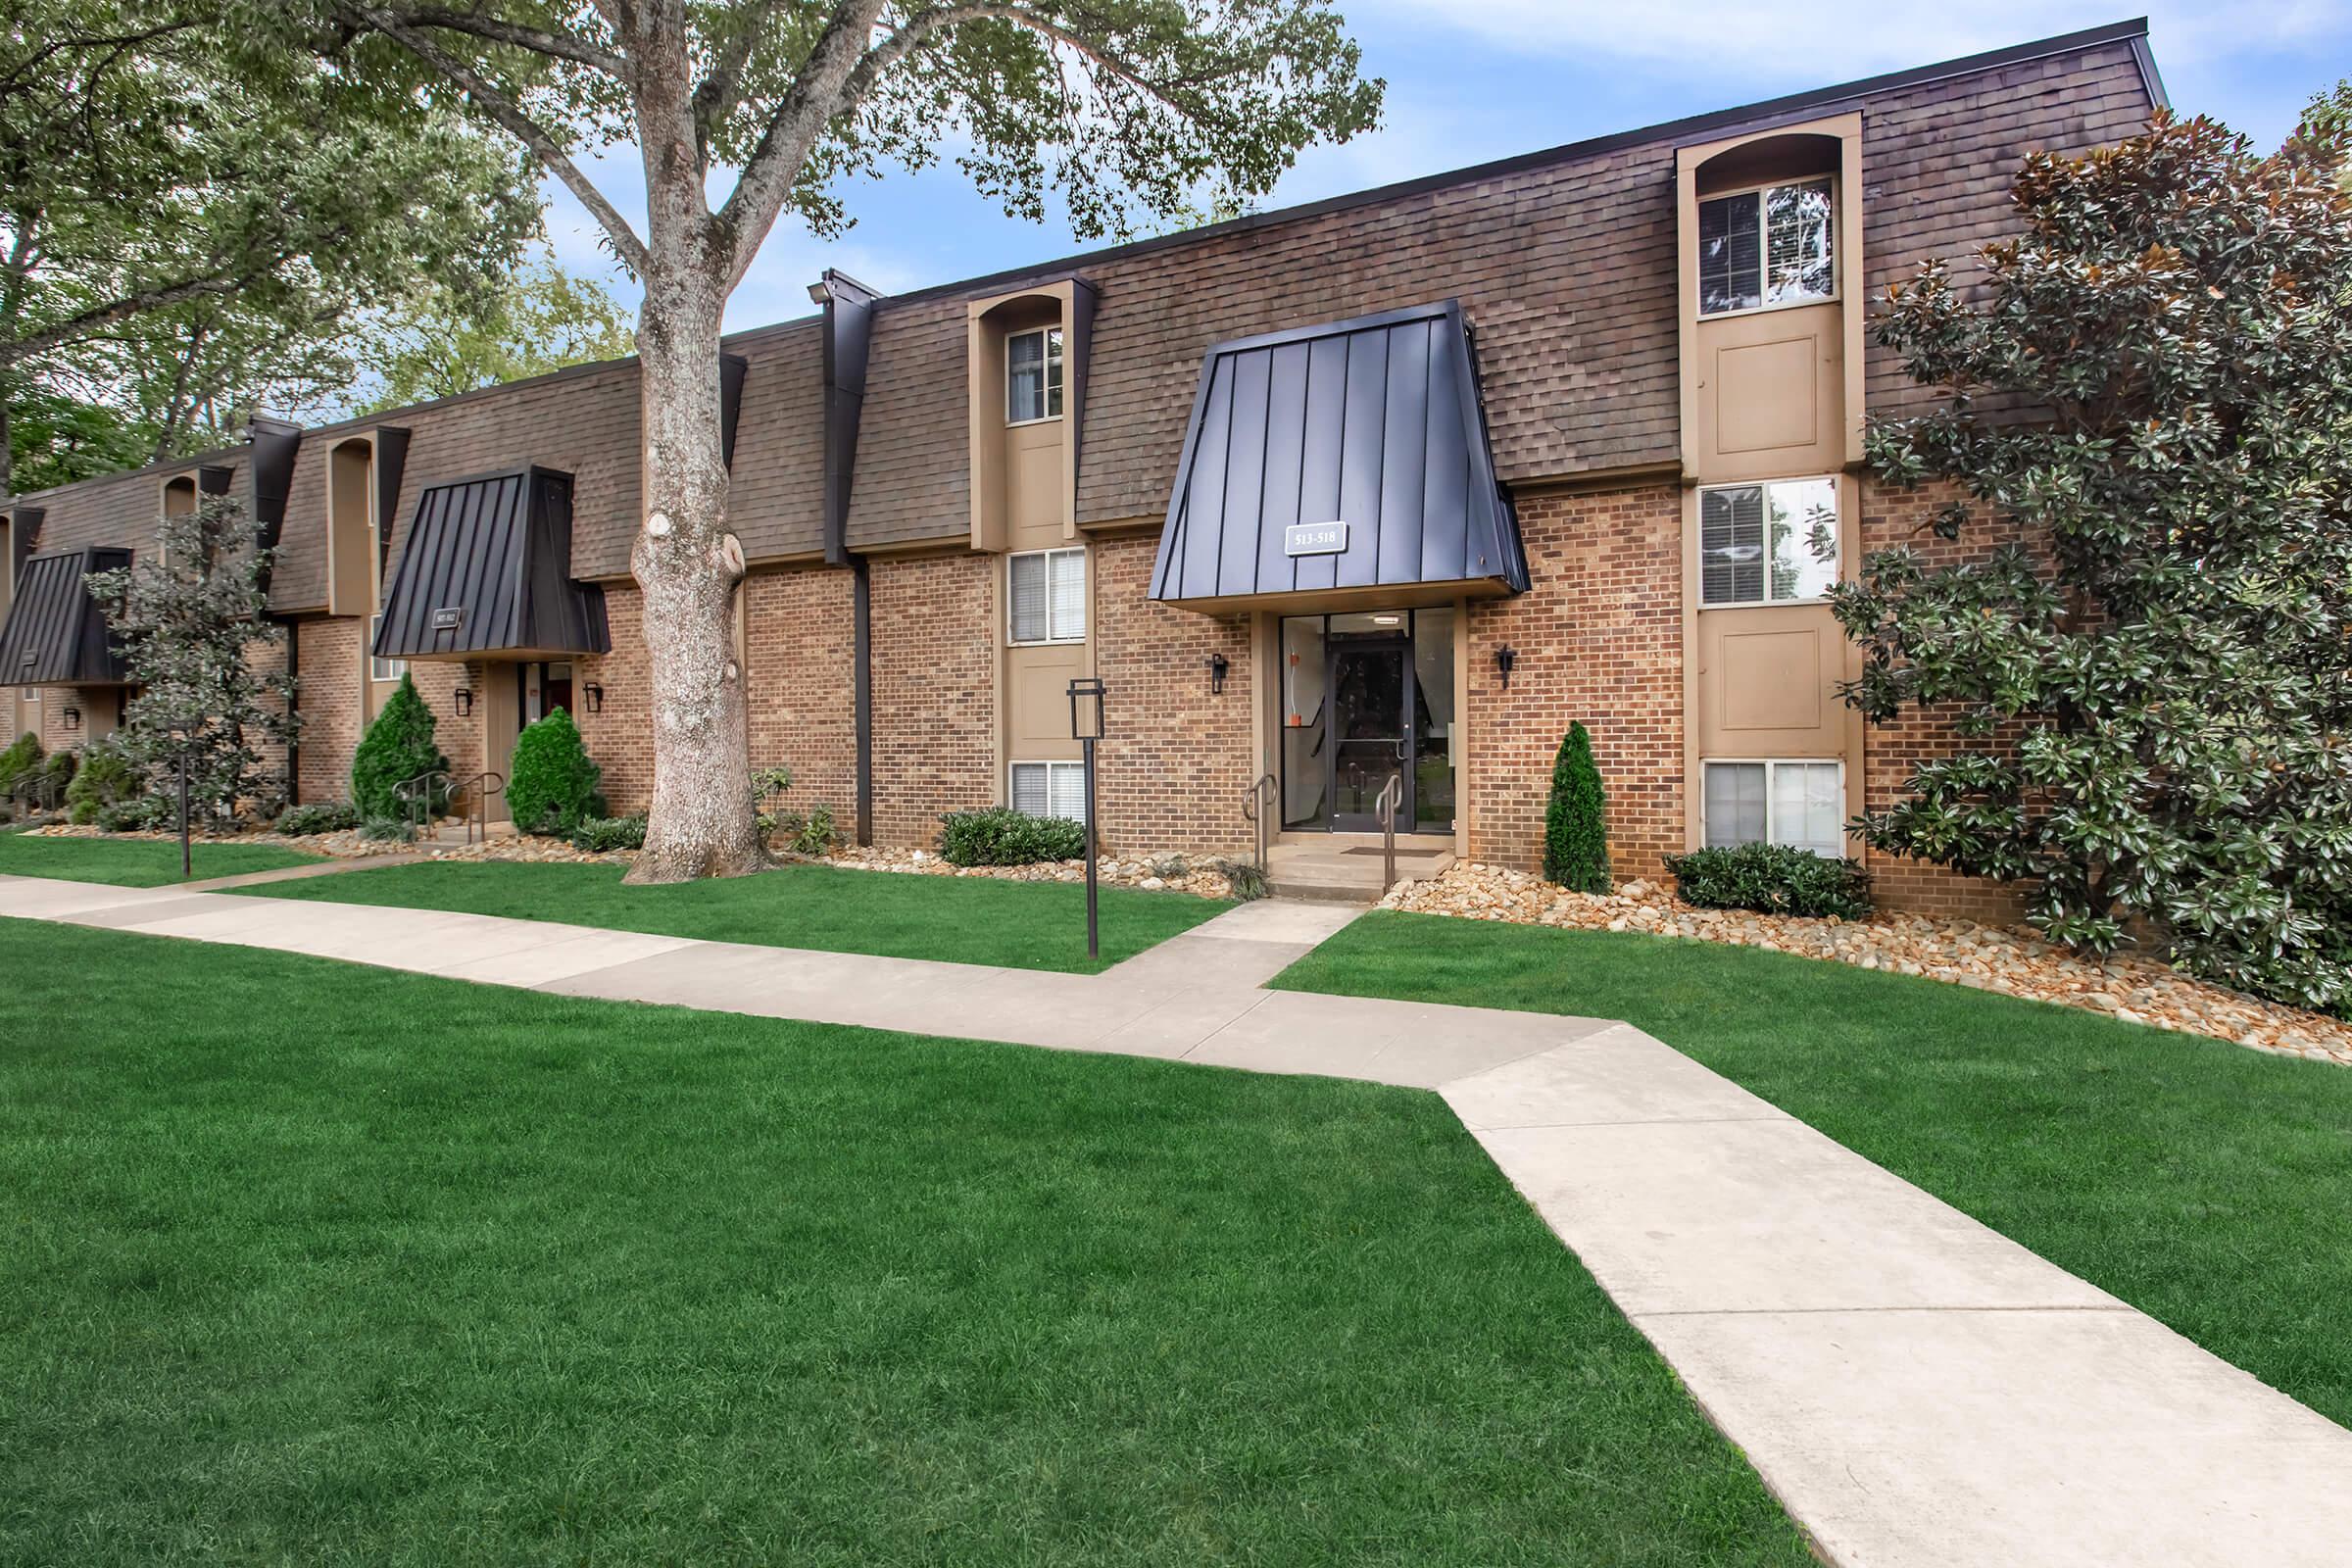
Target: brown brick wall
(1598,638)
(619,736)
(1174,759)
(935,655)
(329,703)
(800,629)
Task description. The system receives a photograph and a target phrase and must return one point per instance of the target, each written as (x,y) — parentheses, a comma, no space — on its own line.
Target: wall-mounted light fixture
(463,698)
(72,715)
(1219,664)
(596,697)
(1505,657)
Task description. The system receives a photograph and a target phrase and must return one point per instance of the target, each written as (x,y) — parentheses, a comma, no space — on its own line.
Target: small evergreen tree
(397,748)
(1575,829)
(554,786)
(190,624)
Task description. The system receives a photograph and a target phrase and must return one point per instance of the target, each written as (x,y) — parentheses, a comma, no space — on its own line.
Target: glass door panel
(1371,688)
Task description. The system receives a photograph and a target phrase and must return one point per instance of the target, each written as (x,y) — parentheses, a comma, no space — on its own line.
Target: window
(383,668)
(1050,789)
(1048,596)
(1801,805)
(1766,247)
(1033,375)
(1766,544)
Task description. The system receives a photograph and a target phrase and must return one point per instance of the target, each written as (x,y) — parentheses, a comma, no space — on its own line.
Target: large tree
(1117,106)
(189,209)
(449,341)
(2145,667)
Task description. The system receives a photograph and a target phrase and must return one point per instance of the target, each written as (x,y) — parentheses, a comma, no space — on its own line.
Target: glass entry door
(1372,740)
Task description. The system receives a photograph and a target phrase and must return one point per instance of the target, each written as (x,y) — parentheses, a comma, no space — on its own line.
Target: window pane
(1053,371)
(1025,376)
(1807,808)
(1804,537)
(1029,788)
(1734,803)
(1798,220)
(1069,594)
(1729,254)
(1069,790)
(1731,545)
(1028,578)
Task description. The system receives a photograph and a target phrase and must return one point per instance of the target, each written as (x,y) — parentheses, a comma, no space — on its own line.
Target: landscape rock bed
(2015,962)
(1153,873)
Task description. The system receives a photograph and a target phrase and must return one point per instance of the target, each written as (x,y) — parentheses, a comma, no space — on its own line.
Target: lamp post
(1086,727)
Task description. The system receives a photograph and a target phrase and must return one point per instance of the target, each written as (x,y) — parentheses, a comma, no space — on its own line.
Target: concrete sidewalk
(1917,1389)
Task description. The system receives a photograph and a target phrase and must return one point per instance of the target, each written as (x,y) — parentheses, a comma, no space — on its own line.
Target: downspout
(270,447)
(848,335)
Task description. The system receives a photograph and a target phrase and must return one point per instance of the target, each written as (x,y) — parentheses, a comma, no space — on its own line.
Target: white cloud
(1834,40)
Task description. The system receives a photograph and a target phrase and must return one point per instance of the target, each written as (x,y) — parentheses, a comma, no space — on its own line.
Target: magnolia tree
(2150,696)
(212,687)
(1118,106)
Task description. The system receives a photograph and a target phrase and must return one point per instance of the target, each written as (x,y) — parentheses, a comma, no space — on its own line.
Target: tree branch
(721,90)
(770,173)
(554,43)
(503,109)
(100,317)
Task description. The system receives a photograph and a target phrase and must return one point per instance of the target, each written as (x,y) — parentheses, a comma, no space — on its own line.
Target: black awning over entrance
(1347,455)
(56,633)
(487,569)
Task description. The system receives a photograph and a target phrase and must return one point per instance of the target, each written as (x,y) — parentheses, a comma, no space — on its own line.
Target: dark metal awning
(487,569)
(56,633)
(1351,456)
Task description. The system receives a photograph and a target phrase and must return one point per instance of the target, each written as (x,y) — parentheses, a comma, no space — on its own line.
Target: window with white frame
(1033,375)
(1046,596)
(1775,245)
(383,668)
(1050,789)
(1798,803)
(1766,544)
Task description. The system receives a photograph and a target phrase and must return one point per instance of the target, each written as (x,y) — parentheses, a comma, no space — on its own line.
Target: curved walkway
(1917,1389)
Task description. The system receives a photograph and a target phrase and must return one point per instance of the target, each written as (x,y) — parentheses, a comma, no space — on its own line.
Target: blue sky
(1475,79)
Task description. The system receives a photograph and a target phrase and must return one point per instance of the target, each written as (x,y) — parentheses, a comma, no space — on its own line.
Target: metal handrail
(477,819)
(417,794)
(1390,802)
(1258,802)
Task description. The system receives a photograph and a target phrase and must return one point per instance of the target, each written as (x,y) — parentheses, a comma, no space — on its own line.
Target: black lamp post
(1086,727)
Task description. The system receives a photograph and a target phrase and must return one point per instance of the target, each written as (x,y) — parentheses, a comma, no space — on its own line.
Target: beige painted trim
(985,424)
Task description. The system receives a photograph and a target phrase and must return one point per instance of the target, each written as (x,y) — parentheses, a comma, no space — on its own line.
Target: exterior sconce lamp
(72,715)
(596,697)
(1086,728)
(463,698)
(1219,664)
(1505,657)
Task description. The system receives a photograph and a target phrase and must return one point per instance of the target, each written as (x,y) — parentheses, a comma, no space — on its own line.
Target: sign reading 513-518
(1314,539)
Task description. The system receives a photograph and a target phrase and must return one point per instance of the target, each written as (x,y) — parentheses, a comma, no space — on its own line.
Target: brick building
(1392,486)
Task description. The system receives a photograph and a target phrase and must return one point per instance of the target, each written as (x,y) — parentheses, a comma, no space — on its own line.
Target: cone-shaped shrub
(397,748)
(553,785)
(1576,833)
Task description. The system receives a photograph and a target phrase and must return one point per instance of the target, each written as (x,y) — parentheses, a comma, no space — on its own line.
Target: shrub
(1772,879)
(1576,833)
(105,778)
(144,813)
(601,835)
(22,756)
(1244,877)
(813,834)
(397,747)
(385,828)
(1001,836)
(553,785)
(326,817)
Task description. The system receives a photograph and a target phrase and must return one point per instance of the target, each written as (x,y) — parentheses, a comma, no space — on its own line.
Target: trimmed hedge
(397,748)
(1003,836)
(553,785)
(1576,831)
(1772,879)
(107,779)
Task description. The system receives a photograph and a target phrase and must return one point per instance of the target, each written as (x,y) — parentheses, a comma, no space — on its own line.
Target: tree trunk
(689,567)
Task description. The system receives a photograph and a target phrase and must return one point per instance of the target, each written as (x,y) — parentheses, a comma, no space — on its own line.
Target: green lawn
(1021,926)
(2208,1185)
(134,863)
(314,1263)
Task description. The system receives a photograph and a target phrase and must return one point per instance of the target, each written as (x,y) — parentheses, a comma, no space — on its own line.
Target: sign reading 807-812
(1314,538)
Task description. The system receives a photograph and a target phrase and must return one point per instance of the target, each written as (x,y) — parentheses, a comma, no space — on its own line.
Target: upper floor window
(1770,246)
(1033,375)
(1048,596)
(382,669)
(1765,544)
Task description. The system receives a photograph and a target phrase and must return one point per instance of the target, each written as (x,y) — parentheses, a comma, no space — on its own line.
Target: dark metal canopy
(56,633)
(1347,455)
(487,569)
